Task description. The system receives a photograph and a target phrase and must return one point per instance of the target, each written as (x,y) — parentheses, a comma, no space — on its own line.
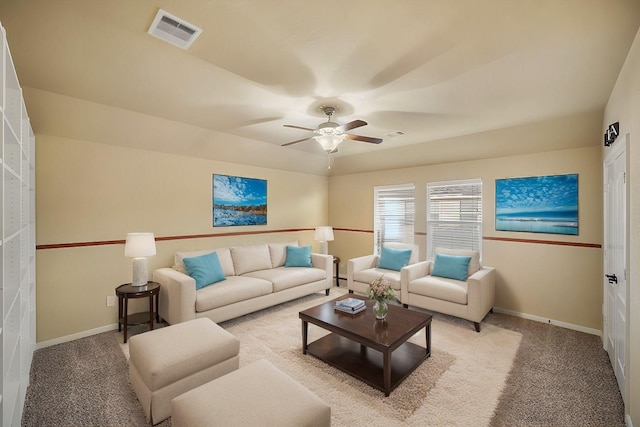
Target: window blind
(394,214)
(454,215)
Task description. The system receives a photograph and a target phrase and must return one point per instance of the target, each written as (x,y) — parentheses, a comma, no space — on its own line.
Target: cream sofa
(255,278)
(471,299)
(362,271)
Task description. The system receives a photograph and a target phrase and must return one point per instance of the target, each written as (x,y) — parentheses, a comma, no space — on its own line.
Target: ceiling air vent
(174,30)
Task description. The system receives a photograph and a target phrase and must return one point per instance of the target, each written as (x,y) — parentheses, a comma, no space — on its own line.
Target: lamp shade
(323,234)
(139,245)
(329,142)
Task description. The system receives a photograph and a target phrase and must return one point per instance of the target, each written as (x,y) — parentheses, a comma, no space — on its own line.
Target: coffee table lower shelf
(367,364)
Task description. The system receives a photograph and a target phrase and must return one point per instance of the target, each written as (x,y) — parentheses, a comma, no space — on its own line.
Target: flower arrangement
(380,290)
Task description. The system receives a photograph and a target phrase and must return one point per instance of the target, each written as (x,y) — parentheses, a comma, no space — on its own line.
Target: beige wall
(90,192)
(559,283)
(624,107)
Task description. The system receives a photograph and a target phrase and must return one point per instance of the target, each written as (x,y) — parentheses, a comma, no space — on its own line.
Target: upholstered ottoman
(165,363)
(258,394)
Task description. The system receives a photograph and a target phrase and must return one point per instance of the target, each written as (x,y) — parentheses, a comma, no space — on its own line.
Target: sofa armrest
(177,295)
(412,272)
(324,262)
(481,289)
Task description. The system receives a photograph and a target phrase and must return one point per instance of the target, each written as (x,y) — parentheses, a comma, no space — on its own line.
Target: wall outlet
(111,301)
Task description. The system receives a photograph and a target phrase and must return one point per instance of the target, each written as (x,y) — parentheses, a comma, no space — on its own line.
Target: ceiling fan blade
(351,125)
(364,138)
(296,141)
(298,127)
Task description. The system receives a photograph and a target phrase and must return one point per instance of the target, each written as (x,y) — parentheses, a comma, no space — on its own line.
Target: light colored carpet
(460,383)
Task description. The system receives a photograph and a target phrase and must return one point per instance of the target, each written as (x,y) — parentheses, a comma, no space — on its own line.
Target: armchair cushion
(393,259)
(371,274)
(451,266)
(439,288)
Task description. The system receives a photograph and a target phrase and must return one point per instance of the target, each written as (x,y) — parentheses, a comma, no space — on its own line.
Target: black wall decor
(611,134)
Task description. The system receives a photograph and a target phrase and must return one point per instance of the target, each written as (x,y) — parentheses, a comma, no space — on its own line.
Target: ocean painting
(539,204)
(239,201)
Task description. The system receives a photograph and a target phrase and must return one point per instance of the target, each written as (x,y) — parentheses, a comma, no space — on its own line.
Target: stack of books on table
(350,305)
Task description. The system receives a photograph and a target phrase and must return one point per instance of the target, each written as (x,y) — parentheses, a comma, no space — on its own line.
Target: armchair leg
(326,292)
(491,311)
(477,325)
(350,291)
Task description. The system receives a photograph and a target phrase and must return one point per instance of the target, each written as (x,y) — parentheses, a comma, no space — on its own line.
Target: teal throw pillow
(394,259)
(205,269)
(451,266)
(298,256)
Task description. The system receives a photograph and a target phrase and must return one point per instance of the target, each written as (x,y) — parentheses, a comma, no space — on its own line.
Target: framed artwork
(239,201)
(538,204)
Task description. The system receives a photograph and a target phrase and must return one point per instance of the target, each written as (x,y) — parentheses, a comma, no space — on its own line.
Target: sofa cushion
(442,289)
(298,256)
(451,266)
(250,258)
(224,256)
(474,264)
(289,277)
(205,269)
(232,290)
(278,253)
(393,259)
(371,274)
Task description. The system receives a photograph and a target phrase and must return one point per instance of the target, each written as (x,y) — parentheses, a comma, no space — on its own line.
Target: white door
(615,284)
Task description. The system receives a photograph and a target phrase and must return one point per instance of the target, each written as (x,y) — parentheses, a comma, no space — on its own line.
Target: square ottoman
(165,363)
(258,394)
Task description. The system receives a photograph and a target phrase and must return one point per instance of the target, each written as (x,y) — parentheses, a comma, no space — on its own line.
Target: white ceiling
(433,69)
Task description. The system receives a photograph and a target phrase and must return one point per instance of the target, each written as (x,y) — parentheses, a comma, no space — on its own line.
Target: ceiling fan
(330,134)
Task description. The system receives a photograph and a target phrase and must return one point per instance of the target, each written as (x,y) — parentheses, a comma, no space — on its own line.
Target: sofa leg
(491,311)
(477,325)
(350,291)
(326,292)
(405,305)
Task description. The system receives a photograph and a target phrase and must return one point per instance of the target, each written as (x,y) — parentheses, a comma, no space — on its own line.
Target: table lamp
(139,246)
(323,234)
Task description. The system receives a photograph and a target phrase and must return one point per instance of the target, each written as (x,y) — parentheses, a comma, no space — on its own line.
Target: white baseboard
(565,325)
(72,337)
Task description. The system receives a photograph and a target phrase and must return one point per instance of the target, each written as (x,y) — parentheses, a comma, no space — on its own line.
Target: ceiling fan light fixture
(329,142)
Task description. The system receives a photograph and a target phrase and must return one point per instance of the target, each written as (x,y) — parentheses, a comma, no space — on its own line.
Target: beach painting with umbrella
(539,204)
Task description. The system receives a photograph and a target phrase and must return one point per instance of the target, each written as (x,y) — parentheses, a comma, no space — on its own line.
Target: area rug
(460,383)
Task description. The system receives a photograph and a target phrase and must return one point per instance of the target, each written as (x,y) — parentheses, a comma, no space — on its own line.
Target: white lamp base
(324,247)
(139,271)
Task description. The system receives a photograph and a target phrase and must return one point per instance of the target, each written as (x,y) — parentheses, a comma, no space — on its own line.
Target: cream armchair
(471,299)
(363,270)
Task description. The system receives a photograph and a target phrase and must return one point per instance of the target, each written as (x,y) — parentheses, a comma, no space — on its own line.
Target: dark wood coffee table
(374,351)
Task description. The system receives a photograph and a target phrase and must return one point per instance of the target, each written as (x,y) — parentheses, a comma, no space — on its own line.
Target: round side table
(336,262)
(126,292)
